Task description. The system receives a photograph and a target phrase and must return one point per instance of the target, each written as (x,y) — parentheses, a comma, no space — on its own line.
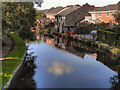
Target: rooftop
(55,10)
(67,10)
(109,7)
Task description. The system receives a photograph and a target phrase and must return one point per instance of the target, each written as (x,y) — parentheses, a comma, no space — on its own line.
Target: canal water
(58,63)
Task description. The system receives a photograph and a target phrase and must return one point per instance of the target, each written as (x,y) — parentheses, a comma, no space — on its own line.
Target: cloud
(59,68)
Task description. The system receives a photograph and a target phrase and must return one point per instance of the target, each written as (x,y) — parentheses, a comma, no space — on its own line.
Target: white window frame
(99,14)
(107,14)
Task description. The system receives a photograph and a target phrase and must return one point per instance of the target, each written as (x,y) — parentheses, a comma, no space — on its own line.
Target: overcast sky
(54,3)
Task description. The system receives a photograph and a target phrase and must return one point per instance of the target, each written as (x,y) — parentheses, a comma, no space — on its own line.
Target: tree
(40,14)
(117,17)
(18,17)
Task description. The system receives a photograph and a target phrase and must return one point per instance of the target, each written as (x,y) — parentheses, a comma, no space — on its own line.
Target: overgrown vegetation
(85,28)
(117,17)
(108,35)
(14,58)
(116,50)
(40,14)
(18,17)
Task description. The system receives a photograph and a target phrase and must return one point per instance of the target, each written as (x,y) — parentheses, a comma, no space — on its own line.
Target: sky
(47,4)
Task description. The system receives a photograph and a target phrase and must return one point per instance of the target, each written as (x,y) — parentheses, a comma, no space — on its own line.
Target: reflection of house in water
(93,55)
(69,46)
(50,42)
(80,49)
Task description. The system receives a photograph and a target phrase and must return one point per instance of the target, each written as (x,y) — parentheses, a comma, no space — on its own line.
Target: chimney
(52,8)
(69,6)
(77,5)
(93,6)
(59,7)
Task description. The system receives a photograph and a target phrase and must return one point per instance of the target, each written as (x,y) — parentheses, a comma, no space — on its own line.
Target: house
(103,14)
(52,11)
(45,21)
(42,22)
(68,18)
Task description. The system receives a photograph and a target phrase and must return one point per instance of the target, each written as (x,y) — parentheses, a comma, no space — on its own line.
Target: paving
(7,46)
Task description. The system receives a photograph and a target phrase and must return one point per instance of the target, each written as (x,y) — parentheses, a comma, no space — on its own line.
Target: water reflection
(59,68)
(81,49)
(63,63)
(24,76)
(68,64)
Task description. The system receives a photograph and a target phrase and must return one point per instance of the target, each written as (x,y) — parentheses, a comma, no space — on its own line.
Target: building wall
(93,16)
(50,16)
(104,17)
(61,21)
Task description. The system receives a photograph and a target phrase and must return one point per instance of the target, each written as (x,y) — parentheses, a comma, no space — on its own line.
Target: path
(6,47)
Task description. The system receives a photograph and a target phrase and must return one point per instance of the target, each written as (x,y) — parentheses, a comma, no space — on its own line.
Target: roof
(54,10)
(83,12)
(108,7)
(78,14)
(88,14)
(67,10)
(119,5)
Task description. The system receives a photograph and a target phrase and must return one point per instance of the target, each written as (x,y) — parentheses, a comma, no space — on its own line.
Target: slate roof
(54,10)
(67,10)
(109,7)
(83,12)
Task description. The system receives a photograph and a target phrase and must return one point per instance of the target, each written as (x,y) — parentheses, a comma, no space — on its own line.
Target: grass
(116,50)
(14,58)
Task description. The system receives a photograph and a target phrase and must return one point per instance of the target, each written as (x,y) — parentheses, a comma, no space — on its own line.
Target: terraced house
(52,12)
(103,14)
(67,18)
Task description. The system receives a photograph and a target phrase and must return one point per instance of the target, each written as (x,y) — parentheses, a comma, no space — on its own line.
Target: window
(107,14)
(112,14)
(99,14)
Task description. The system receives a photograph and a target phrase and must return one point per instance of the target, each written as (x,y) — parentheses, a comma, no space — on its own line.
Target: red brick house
(104,14)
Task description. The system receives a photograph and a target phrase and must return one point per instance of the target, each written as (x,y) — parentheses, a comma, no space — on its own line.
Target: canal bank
(98,44)
(12,61)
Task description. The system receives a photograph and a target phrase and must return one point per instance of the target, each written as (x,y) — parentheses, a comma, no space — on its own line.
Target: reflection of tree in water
(113,63)
(108,60)
(115,80)
(24,76)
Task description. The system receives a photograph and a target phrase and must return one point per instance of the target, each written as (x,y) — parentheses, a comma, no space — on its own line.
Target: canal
(58,63)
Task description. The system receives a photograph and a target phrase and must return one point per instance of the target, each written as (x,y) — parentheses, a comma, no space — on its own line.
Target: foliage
(116,50)
(114,82)
(110,36)
(40,14)
(27,34)
(17,16)
(85,28)
(117,17)
(14,58)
